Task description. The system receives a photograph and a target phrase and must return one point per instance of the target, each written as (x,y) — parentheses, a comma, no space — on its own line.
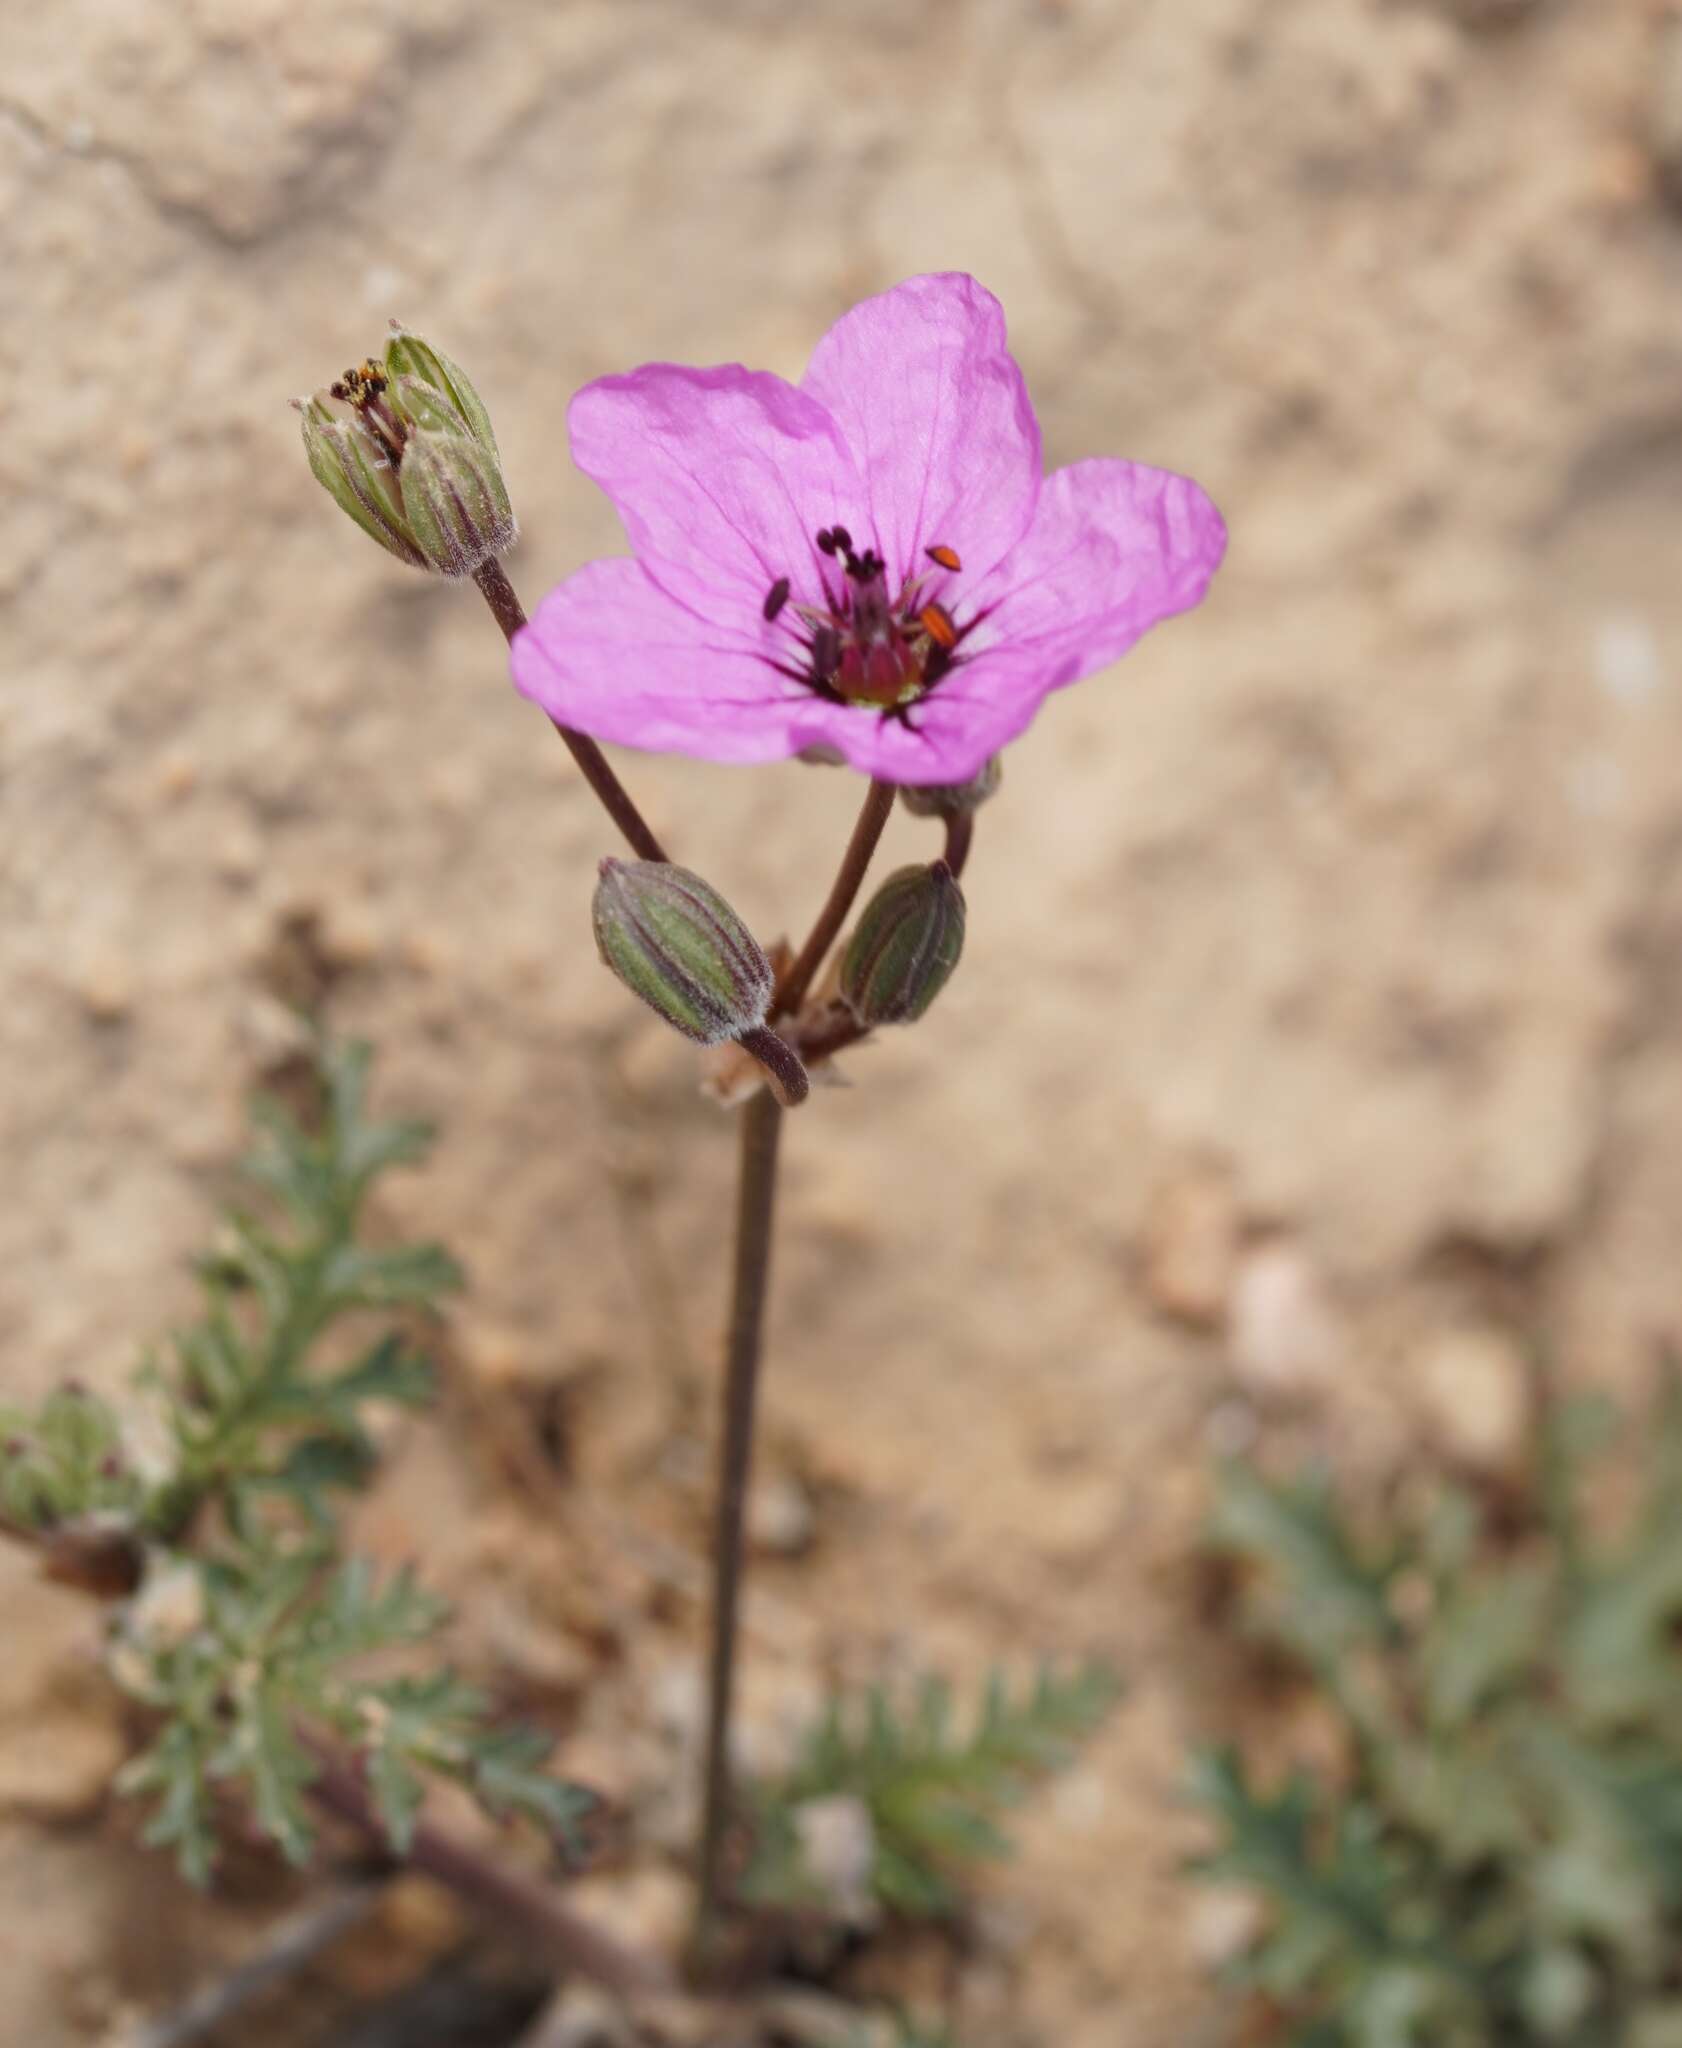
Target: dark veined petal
(723,479)
(938,418)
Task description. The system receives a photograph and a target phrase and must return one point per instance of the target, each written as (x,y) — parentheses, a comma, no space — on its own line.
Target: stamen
(936,621)
(865,646)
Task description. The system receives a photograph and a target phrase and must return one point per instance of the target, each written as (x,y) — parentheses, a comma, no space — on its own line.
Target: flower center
(865,645)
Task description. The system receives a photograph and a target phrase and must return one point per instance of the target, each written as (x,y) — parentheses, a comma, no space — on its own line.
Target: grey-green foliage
(1502,1861)
(212,1502)
(935,1788)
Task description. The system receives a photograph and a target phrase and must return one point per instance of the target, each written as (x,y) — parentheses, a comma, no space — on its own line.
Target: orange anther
(936,621)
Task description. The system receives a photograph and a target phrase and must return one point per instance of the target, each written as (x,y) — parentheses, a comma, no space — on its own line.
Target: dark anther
(826,542)
(842,539)
(775,598)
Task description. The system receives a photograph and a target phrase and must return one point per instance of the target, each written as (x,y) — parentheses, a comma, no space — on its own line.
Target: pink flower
(869,564)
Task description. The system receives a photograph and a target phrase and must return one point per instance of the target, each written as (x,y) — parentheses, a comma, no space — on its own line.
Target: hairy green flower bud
(351,464)
(458,510)
(405,446)
(906,946)
(952,799)
(673,940)
(415,365)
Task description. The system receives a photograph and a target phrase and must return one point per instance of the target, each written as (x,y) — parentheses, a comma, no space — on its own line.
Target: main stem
(762,1122)
(510,615)
(792,990)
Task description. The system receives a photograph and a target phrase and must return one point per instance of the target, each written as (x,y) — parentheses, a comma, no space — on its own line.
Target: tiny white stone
(1627,663)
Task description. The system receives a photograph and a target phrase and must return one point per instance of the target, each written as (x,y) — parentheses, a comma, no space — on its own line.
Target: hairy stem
(792,990)
(762,1122)
(505,1894)
(510,615)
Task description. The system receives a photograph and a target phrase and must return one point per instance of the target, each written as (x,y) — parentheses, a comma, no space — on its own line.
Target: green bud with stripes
(673,940)
(905,947)
(404,445)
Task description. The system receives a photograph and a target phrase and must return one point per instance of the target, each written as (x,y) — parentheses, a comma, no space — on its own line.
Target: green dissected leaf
(1487,1635)
(1619,1653)
(934,1790)
(264,1749)
(256,1409)
(1325,1597)
(411,1276)
(398,1793)
(63,1462)
(359,1614)
(265,1643)
(506,1766)
(1504,1868)
(175,1773)
(1463,1792)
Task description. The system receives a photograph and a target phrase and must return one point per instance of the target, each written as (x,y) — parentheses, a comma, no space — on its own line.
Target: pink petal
(611,654)
(1114,548)
(937,416)
(721,477)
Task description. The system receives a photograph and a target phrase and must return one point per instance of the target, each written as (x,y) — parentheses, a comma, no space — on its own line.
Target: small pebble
(838,1852)
(1189,1247)
(106,990)
(1474,1384)
(1223,1923)
(1283,1337)
(781,1521)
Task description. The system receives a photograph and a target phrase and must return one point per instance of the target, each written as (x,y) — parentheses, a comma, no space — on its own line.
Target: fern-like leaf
(934,1790)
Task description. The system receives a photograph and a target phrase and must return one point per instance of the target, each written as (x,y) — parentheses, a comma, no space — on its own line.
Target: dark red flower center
(865,644)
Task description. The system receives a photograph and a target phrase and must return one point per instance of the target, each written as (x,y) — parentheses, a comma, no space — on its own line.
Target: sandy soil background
(1317,1026)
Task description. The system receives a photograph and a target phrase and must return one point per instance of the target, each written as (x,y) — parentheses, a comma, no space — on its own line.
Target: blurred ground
(1317,1024)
